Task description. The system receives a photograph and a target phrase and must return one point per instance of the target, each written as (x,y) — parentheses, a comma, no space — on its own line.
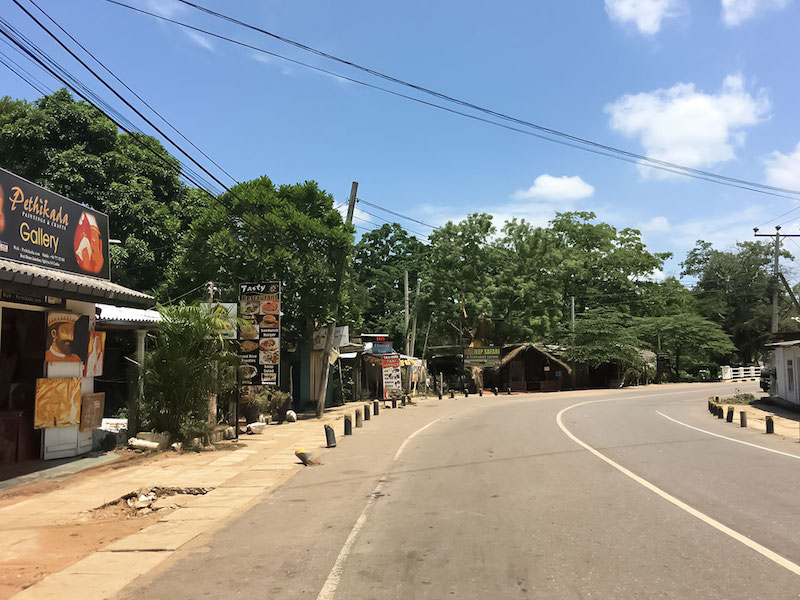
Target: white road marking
(763,550)
(725,437)
(328,590)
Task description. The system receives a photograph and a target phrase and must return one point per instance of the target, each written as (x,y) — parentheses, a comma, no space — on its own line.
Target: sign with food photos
(260,333)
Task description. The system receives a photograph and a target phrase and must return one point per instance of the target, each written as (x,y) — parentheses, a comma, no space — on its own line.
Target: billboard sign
(260,333)
(42,228)
(392,386)
(482,356)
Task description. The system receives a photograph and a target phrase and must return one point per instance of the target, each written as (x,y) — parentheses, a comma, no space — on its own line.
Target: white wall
(782,356)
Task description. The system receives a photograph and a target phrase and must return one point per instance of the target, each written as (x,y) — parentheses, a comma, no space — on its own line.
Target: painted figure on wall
(67,335)
(94,363)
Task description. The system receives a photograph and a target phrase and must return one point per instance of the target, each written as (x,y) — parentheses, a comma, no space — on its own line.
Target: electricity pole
(572,313)
(776,269)
(405,295)
(337,286)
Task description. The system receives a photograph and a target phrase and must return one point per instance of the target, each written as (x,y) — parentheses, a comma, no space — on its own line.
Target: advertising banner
(42,228)
(260,334)
(341,337)
(482,356)
(392,386)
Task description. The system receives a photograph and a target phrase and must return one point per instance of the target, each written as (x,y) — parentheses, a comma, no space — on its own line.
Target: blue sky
(709,84)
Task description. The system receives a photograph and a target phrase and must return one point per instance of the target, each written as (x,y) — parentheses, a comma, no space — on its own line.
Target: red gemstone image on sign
(89,244)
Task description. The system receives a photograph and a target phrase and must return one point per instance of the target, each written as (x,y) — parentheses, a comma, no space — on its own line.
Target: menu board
(392,386)
(260,333)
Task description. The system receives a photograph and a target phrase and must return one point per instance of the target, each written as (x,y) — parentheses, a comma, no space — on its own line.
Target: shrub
(739,399)
(178,374)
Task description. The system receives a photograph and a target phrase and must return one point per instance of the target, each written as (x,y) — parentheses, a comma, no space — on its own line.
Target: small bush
(739,399)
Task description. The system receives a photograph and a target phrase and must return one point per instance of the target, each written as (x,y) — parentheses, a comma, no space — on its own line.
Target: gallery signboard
(260,333)
(42,228)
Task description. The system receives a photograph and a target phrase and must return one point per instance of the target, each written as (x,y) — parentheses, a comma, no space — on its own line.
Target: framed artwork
(58,402)
(92,407)
(97,350)
(67,337)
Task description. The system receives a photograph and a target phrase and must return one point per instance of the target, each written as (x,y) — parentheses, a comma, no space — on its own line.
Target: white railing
(740,373)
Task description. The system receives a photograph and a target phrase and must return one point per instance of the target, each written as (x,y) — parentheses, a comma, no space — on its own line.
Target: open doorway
(22,347)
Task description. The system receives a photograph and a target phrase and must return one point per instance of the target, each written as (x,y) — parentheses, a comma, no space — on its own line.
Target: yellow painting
(58,402)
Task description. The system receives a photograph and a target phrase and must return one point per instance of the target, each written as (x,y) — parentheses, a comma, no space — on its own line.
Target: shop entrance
(22,347)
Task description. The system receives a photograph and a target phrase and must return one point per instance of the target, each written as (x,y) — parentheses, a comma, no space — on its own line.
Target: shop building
(53,272)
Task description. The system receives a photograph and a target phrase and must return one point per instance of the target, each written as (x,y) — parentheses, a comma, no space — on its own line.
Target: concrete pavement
(493,499)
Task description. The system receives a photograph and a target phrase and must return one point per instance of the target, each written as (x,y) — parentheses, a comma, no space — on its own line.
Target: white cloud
(647,14)
(735,12)
(783,170)
(200,39)
(687,126)
(548,187)
(655,225)
(165,8)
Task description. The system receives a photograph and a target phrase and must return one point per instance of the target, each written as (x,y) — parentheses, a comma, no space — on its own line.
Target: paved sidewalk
(786,426)
(239,477)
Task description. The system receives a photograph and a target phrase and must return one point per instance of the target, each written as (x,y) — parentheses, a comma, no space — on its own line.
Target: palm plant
(178,369)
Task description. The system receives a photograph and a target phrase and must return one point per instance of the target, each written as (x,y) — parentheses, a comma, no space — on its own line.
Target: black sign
(37,300)
(41,228)
(260,333)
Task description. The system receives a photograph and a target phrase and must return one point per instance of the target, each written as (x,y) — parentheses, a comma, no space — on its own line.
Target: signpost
(260,333)
(392,387)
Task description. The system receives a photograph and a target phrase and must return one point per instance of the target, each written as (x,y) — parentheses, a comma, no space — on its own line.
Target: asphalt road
(567,495)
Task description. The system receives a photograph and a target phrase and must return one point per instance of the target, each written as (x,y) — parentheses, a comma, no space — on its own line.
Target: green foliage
(739,399)
(178,369)
(74,150)
(289,233)
(605,336)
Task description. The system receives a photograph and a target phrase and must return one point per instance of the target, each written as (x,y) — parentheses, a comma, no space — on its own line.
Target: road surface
(594,494)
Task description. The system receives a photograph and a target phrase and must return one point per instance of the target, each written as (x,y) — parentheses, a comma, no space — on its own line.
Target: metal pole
(405,294)
(572,313)
(776,270)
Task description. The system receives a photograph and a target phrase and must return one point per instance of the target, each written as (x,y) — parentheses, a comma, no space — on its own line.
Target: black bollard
(376,407)
(348,425)
(466,393)
(440,394)
(403,400)
(743,418)
(770,425)
(495,391)
(709,406)
(720,412)
(452,394)
(729,416)
(359,423)
(394,402)
(480,391)
(366,412)
(509,391)
(330,437)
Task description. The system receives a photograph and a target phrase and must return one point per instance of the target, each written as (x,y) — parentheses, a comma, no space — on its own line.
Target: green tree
(689,339)
(74,150)
(734,289)
(606,336)
(380,259)
(259,231)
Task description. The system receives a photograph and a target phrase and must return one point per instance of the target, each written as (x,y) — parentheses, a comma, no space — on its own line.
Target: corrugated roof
(22,277)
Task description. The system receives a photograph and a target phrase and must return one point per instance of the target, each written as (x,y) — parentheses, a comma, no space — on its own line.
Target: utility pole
(572,313)
(337,286)
(776,269)
(414,323)
(405,295)
(212,396)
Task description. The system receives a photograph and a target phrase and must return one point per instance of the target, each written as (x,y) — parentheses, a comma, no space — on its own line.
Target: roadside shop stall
(54,269)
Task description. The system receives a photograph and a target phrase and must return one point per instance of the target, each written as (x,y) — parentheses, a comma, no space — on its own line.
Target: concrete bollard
(330,437)
(770,424)
(710,408)
(366,412)
(743,418)
(348,425)
(452,394)
(729,417)
(480,392)
(495,391)
(509,391)
(359,422)
(402,400)
(720,413)
(440,394)
(466,393)
(394,402)
(376,407)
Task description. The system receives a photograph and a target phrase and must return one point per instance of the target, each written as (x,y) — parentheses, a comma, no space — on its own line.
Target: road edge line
(331,584)
(725,437)
(739,537)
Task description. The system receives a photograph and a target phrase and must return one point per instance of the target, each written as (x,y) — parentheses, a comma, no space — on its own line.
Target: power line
(386,221)
(125,85)
(632,158)
(482,109)
(396,214)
